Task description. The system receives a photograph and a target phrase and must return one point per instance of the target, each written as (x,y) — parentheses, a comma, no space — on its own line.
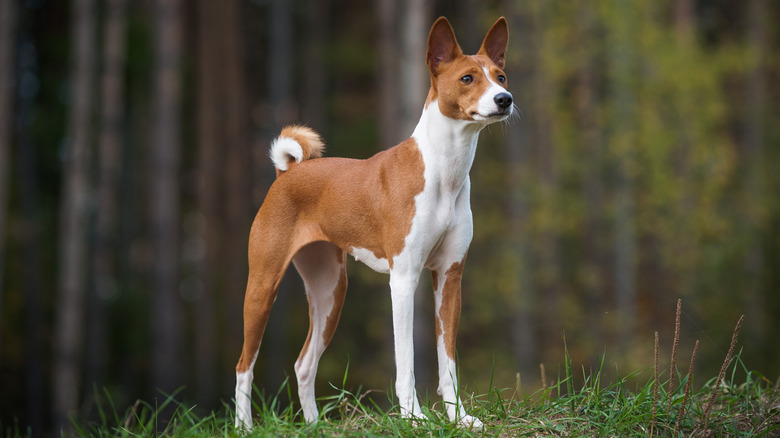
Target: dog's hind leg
(267,264)
(323,268)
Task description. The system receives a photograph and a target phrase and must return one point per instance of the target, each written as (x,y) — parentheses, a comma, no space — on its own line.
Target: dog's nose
(503,100)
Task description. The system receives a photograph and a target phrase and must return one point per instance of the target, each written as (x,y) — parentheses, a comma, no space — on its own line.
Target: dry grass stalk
(544,378)
(655,383)
(687,390)
(726,361)
(132,415)
(673,364)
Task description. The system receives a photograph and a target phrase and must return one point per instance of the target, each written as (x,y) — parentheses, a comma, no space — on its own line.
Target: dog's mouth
(501,113)
(495,115)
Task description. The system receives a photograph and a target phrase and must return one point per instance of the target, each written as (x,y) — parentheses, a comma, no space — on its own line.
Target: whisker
(517,111)
(517,114)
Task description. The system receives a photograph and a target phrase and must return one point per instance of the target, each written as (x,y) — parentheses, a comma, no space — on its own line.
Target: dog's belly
(369,259)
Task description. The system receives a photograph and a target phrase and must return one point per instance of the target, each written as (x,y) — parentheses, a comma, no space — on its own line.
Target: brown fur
(449,312)
(349,203)
(310,141)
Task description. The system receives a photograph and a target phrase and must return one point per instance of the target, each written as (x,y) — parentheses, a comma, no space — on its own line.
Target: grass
(749,407)
(737,403)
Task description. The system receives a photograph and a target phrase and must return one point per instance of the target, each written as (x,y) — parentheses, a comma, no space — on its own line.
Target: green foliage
(627,121)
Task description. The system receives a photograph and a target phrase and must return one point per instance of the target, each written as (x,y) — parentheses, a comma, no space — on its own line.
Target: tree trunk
(281,96)
(104,261)
(29,240)
(210,119)
(316,74)
(468,27)
(387,76)
(166,143)
(666,283)
(69,324)
(281,65)
(587,109)
(238,208)
(517,156)
(624,102)
(753,156)
(7,85)
(543,149)
(414,42)
(683,16)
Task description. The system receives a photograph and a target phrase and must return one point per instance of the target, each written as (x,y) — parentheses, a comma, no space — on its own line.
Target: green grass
(735,403)
(742,406)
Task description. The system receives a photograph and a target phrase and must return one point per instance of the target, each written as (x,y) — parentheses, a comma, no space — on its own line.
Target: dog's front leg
(403,284)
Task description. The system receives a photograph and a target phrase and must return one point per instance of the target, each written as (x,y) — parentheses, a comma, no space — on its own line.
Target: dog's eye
(501,78)
(467,79)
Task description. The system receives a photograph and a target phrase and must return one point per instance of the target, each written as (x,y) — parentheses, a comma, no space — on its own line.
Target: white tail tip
(295,144)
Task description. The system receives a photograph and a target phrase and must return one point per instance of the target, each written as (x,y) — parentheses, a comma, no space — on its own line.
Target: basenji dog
(404,209)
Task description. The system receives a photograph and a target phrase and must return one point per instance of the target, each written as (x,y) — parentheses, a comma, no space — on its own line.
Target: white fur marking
(369,259)
(403,284)
(244,396)
(282,149)
(486,106)
(320,273)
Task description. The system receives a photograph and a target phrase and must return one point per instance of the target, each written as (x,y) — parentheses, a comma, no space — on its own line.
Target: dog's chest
(439,215)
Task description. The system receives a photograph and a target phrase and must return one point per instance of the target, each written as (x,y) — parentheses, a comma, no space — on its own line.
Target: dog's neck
(448,146)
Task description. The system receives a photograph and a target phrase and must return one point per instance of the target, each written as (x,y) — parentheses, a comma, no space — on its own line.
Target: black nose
(503,100)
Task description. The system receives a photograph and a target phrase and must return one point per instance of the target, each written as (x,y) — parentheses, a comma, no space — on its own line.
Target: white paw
(242,425)
(310,412)
(470,422)
(243,416)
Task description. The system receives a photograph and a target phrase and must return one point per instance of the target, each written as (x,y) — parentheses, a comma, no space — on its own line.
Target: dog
(404,209)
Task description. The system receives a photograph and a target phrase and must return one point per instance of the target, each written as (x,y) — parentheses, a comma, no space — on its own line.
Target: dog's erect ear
(494,45)
(442,45)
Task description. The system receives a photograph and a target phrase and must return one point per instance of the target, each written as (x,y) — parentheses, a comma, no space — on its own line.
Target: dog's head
(469,87)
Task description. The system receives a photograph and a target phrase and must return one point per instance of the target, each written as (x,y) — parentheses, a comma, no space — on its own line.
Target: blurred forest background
(133,157)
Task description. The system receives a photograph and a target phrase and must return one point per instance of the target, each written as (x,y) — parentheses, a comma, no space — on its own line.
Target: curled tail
(294,144)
